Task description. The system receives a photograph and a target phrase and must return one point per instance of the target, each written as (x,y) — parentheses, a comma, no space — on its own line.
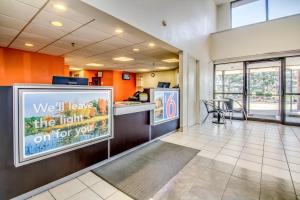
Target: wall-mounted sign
(166,105)
(50,121)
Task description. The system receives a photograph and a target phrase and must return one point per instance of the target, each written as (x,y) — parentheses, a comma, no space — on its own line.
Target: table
(219,101)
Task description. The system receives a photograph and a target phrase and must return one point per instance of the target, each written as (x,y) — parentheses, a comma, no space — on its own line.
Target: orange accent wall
(122,88)
(17,66)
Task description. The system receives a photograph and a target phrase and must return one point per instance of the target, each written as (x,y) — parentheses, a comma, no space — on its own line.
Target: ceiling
(219,2)
(87,36)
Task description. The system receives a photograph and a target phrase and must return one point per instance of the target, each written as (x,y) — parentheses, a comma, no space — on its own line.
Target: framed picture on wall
(100,74)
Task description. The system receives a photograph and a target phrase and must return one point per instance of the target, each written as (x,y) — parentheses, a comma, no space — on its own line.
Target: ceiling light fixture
(162,68)
(56,23)
(118,30)
(75,69)
(171,60)
(94,65)
(27,44)
(136,49)
(59,7)
(123,59)
(151,44)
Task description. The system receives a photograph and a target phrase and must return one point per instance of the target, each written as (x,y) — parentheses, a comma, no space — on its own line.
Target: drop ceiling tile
(10,22)
(44,31)
(44,18)
(90,34)
(101,48)
(16,9)
(117,42)
(19,44)
(34,3)
(53,50)
(7,35)
(106,24)
(72,12)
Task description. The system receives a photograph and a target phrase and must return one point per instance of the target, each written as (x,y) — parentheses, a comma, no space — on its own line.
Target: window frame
(267,18)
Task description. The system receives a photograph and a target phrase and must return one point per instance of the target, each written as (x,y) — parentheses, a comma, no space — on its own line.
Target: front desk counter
(23,170)
(131,125)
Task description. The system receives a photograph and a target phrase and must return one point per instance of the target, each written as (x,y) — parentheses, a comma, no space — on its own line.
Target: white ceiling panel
(70,13)
(116,42)
(19,44)
(90,34)
(44,31)
(10,22)
(16,9)
(44,18)
(7,35)
(34,3)
(101,47)
(53,50)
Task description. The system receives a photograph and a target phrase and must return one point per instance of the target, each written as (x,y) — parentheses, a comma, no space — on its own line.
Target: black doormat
(142,173)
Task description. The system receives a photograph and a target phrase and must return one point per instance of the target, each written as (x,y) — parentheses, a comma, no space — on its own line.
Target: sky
(255,11)
(52,97)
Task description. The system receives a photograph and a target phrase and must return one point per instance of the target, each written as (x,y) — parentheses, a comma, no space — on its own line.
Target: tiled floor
(245,160)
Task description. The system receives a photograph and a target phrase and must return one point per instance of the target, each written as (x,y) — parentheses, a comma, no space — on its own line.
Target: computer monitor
(163,84)
(64,80)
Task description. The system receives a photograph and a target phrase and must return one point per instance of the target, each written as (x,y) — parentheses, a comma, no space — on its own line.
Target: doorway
(263,92)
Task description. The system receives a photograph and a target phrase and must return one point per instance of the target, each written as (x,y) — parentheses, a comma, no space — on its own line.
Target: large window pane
(246,12)
(293,75)
(292,108)
(229,78)
(282,8)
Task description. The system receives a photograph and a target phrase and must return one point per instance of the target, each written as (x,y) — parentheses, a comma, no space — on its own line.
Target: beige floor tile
(103,189)
(85,194)
(229,152)
(43,196)
(275,163)
(251,157)
(119,196)
(277,172)
(89,178)
(226,159)
(207,154)
(294,167)
(296,177)
(249,165)
(67,189)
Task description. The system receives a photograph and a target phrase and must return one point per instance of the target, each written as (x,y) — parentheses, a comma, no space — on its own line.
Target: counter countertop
(122,108)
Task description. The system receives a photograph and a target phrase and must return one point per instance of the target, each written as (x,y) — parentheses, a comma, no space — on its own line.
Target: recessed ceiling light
(27,44)
(151,44)
(59,6)
(162,68)
(171,60)
(75,69)
(143,70)
(123,59)
(94,65)
(56,23)
(118,30)
(136,49)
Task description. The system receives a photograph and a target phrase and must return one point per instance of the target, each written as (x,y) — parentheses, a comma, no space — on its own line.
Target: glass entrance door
(263,93)
(292,91)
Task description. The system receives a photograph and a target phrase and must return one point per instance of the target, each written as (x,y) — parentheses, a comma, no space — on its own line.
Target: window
(245,12)
(280,8)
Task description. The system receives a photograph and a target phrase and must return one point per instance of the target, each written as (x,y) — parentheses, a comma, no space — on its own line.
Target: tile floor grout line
(233,169)
(262,163)
(288,164)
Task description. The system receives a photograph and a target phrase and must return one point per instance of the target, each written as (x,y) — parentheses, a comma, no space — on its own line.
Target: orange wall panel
(17,66)
(123,88)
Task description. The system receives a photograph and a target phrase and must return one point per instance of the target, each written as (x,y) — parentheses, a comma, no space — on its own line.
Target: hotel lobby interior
(150,100)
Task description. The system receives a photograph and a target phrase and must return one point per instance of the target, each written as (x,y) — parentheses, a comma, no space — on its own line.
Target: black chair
(229,108)
(211,109)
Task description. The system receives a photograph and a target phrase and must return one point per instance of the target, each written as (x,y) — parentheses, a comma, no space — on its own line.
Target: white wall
(145,80)
(223,17)
(189,24)
(281,35)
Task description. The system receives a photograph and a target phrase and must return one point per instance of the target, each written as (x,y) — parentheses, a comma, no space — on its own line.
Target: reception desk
(49,132)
